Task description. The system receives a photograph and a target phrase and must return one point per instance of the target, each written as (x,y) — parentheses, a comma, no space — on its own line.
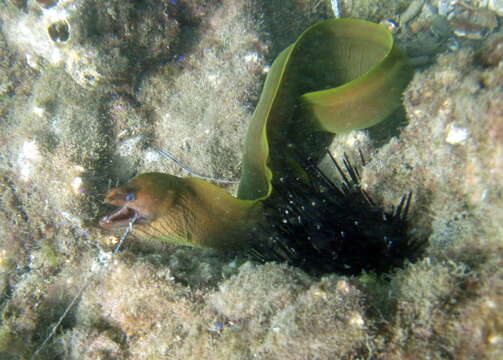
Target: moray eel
(340,75)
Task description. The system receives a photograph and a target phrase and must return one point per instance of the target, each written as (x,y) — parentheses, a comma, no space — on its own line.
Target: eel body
(340,75)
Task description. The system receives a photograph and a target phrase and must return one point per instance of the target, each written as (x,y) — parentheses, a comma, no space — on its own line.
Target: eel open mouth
(121,218)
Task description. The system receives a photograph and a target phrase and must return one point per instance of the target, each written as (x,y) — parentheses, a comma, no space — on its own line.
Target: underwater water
(90,90)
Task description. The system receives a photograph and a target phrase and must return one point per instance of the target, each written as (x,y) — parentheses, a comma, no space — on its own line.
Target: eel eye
(130,197)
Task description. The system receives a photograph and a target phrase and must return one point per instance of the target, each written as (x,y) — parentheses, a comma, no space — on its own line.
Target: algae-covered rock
(93,42)
(258,292)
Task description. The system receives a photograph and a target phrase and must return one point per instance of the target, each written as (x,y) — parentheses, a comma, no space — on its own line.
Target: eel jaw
(121,218)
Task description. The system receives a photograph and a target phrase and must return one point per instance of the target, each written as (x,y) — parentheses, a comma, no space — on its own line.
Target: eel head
(142,198)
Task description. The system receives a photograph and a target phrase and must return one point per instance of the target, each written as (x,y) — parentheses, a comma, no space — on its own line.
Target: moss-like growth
(326,320)
(258,291)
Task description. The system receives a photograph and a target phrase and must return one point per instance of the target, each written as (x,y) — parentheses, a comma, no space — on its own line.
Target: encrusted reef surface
(89,89)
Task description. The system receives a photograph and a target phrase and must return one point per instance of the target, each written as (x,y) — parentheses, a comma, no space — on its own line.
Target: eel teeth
(119,218)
